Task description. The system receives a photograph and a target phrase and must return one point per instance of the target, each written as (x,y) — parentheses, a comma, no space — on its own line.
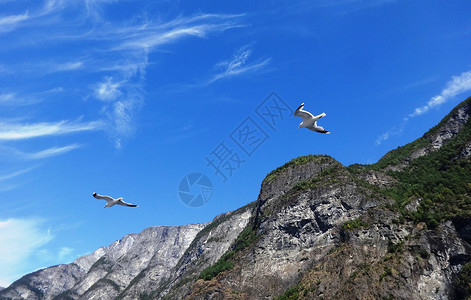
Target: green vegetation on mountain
(464,281)
(441,181)
(294,162)
(354,224)
(400,154)
(245,239)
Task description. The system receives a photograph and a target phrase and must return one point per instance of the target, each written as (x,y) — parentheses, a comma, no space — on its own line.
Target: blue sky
(126,98)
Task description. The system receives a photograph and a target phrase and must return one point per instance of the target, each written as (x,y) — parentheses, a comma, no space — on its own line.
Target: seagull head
(300,125)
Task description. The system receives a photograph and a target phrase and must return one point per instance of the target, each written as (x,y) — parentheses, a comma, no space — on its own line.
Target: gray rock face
(377,178)
(304,239)
(109,270)
(206,248)
(465,152)
(304,228)
(296,228)
(451,127)
(44,284)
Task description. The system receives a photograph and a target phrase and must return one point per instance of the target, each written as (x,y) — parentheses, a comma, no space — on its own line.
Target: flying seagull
(309,121)
(111,201)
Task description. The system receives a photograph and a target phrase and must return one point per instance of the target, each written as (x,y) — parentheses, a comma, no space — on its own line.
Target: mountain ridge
(396,229)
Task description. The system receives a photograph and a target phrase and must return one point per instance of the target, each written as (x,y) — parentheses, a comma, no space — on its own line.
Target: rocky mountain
(397,229)
(108,270)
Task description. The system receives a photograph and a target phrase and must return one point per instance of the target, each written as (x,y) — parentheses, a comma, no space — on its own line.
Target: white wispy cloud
(11,175)
(120,51)
(69,66)
(237,64)
(18,131)
(457,85)
(240,70)
(147,36)
(8,23)
(65,253)
(50,152)
(9,180)
(121,92)
(19,240)
(121,102)
(7,98)
(390,133)
(108,90)
(122,114)
(52,6)
(238,59)
(153,39)
(13,99)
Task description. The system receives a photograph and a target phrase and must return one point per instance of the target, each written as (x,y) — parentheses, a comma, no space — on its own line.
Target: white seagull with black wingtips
(110,201)
(309,121)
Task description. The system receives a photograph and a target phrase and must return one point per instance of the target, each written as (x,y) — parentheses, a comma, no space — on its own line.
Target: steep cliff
(397,229)
(205,249)
(109,270)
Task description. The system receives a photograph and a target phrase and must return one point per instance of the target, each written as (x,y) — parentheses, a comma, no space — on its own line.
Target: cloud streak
(14,100)
(457,85)
(121,92)
(237,65)
(7,182)
(50,152)
(14,174)
(16,131)
(147,36)
(19,240)
(9,23)
(115,54)
(390,133)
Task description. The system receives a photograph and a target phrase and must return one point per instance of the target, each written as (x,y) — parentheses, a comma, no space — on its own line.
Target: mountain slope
(108,270)
(397,229)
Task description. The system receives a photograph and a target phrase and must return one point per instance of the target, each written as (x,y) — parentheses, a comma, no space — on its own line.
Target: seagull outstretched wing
(121,202)
(103,197)
(305,115)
